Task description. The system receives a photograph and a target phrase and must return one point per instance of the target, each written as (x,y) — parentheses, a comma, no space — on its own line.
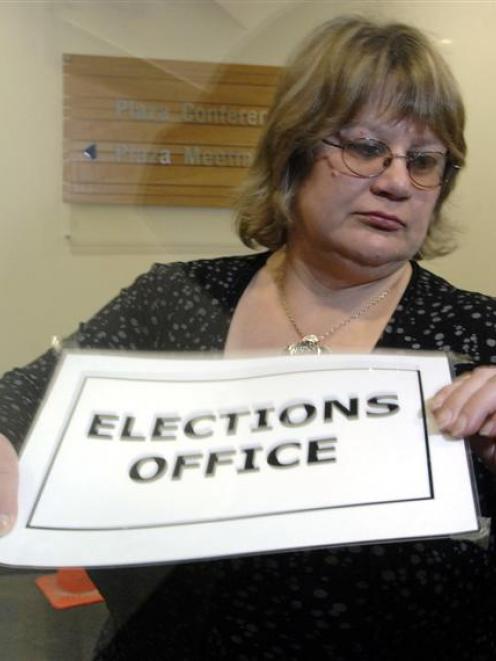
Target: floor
(32,630)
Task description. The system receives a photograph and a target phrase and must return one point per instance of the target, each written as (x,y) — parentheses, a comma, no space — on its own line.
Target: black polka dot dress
(432,599)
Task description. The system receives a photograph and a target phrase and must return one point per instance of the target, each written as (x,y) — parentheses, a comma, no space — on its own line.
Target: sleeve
(21,391)
(129,321)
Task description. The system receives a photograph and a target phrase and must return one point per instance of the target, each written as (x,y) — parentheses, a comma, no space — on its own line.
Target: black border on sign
(87,377)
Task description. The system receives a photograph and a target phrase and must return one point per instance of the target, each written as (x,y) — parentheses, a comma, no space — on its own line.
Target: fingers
(9,480)
(468,405)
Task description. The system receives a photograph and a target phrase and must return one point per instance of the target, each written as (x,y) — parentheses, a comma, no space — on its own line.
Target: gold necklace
(312,343)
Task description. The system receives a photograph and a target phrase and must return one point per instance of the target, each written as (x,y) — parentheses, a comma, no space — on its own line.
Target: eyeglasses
(369,158)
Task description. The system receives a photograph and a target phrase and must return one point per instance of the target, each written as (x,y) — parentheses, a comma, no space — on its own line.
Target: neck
(320,304)
(324,276)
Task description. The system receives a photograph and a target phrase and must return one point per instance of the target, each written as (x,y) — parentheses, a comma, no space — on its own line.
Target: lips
(381,220)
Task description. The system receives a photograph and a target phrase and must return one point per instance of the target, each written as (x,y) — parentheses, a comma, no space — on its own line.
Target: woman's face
(371,222)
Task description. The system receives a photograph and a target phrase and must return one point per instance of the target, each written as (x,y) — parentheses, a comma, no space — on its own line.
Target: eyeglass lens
(369,158)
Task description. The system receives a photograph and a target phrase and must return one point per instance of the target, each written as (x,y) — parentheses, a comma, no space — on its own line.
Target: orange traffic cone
(69,587)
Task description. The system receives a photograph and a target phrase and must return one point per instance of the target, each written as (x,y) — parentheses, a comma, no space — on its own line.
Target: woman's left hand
(467,408)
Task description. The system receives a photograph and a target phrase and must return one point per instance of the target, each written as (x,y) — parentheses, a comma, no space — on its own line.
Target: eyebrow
(420,144)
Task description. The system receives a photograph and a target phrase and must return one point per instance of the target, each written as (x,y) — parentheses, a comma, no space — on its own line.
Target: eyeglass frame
(448,168)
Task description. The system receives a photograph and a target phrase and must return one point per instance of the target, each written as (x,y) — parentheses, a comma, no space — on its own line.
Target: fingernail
(487,429)
(460,425)
(6,523)
(444,418)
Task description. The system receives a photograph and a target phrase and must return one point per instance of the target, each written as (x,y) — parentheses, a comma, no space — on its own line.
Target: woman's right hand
(9,480)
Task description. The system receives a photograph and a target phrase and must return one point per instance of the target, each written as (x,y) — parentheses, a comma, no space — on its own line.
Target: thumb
(9,480)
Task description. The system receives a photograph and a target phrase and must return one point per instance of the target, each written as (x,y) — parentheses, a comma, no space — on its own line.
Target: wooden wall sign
(161,132)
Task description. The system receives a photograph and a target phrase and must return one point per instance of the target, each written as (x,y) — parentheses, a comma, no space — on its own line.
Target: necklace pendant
(310,344)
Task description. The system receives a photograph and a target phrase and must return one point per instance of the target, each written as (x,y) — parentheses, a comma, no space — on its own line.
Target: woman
(360,152)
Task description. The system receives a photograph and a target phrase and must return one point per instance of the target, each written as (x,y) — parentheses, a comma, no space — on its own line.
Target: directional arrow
(90,152)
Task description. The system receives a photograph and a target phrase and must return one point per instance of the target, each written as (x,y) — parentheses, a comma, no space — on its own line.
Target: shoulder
(450,318)
(210,275)
(440,291)
(220,267)
(222,277)
(216,281)
(165,282)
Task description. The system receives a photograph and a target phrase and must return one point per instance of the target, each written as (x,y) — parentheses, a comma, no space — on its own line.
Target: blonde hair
(342,66)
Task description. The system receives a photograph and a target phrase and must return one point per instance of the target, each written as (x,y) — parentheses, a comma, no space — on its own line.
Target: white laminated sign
(137,458)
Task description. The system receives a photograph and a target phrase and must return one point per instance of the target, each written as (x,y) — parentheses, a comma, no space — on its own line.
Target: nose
(395,181)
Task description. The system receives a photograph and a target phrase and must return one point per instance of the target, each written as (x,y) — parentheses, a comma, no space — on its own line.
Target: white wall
(60,262)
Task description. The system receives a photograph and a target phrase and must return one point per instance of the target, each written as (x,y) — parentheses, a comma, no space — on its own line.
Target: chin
(374,249)
(377,258)
(382,253)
